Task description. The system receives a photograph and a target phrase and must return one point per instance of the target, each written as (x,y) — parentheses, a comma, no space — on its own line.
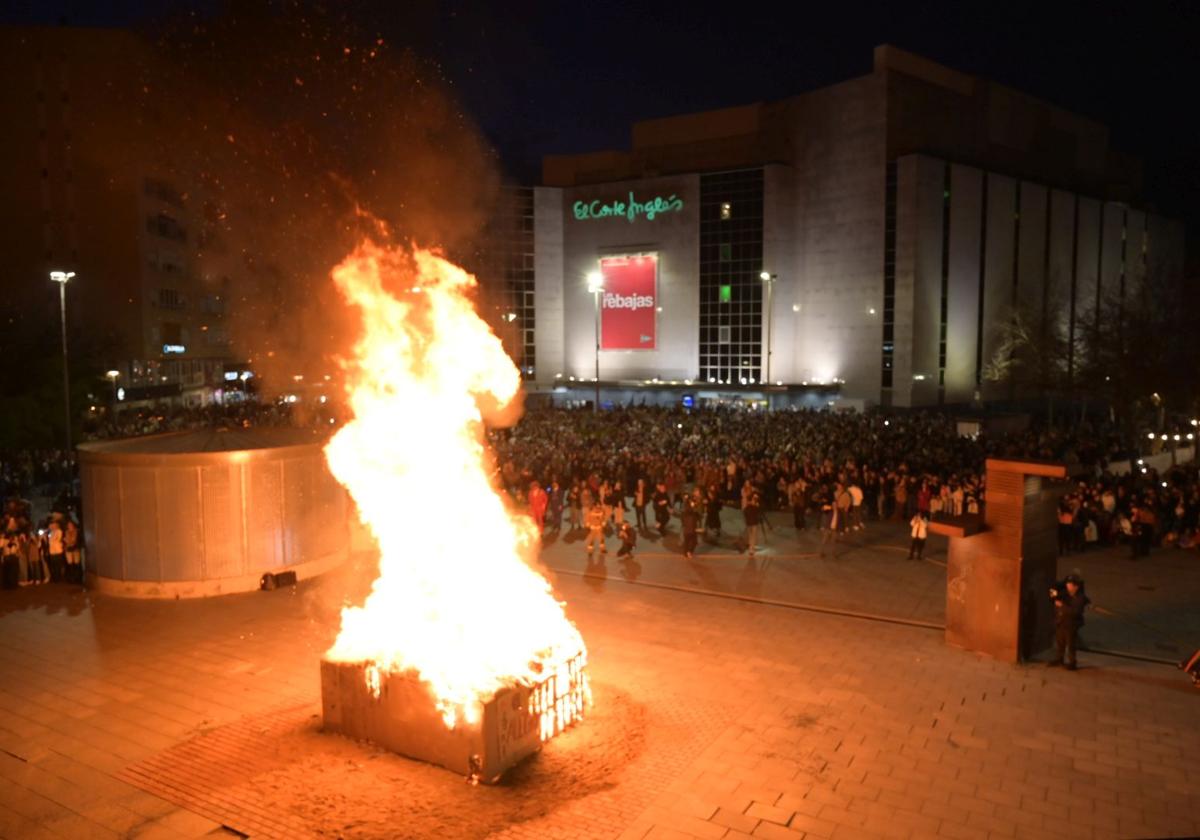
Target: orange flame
(456,600)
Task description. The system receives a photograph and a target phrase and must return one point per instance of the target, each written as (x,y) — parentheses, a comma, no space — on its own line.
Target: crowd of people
(244,414)
(832,471)
(647,471)
(50,551)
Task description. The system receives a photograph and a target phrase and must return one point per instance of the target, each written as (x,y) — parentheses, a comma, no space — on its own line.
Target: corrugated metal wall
(217,515)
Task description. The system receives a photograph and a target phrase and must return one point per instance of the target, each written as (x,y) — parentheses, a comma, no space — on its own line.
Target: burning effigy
(460,655)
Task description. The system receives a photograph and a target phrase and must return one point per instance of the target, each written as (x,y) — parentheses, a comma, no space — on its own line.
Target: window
(889,281)
(731,293)
(510,268)
(169,299)
(161,224)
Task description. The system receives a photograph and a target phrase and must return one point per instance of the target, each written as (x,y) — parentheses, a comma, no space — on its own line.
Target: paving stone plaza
(732,701)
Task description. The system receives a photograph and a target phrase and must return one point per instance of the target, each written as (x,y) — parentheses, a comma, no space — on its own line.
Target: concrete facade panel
(927,205)
(548,283)
(840,181)
(1143,231)
(1112,227)
(675,238)
(1031,259)
(779,258)
(906,245)
(998,293)
(1087,266)
(962,321)
(1060,266)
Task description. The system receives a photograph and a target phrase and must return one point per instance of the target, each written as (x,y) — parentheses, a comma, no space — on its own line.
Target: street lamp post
(61,278)
(769,280)
(596,286)
(112,377)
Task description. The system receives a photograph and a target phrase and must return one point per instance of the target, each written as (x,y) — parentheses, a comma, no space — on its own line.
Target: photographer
(1069,603)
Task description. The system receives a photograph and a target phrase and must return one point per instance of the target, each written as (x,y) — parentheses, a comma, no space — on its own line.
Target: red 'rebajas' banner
(628,302)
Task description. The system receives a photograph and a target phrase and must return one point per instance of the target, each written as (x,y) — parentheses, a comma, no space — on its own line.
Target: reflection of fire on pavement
(460,655)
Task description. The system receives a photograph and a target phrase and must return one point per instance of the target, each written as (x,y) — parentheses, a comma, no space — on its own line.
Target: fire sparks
(456,601)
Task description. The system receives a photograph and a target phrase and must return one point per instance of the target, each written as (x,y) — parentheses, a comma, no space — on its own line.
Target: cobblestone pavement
(715,718)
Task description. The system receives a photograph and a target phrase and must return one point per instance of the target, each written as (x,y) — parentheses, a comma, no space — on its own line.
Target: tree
(1144,343)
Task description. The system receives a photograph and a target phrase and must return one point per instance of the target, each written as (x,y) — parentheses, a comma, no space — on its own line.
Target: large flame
(456,600)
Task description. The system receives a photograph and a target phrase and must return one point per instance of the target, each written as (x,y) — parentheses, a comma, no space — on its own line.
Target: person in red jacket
(538,502)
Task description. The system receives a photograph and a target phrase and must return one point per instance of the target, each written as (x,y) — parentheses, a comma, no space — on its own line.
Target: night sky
(568,77)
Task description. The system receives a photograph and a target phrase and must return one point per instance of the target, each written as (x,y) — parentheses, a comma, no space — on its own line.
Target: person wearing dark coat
(712,512)
(662,507)
(1069,604)
(752,514)
(689,520)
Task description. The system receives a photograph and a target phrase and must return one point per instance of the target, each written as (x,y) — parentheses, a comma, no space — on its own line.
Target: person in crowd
(641,498)
(73,551)
(856,506)
(575,506)
(10,560)
(555,507)
(1069,604)
(628,537)
(597,519)
(712,512)
(689,522)
(752,515)
(1066,524)
(798,499)
(662,507)
(56,549)
(919,526)
(618,505)
(539,501)
(36,572)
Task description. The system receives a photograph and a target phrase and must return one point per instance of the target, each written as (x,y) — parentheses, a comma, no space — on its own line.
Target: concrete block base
(398,711)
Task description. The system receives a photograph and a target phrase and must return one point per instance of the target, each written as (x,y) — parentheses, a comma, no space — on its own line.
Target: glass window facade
(731,292)
(518,326)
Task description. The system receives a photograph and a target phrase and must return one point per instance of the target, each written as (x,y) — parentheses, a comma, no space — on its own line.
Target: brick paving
(723,718)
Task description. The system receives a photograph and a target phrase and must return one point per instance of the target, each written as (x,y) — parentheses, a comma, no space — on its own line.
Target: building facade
(77,198)
(872,238)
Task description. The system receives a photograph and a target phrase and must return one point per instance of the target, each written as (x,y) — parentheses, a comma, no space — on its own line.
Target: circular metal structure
(189,514)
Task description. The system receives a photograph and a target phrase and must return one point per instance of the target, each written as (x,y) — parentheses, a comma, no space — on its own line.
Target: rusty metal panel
(997,581)
(180,539)
(221,504)
(401,715)
(983,589)
(139,523)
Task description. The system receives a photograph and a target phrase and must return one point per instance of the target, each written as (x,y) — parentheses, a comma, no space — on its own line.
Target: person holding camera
(1069,604)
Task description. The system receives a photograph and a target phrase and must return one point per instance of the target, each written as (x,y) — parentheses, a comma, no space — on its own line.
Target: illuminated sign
(628,303)
(630,210)
(174,348)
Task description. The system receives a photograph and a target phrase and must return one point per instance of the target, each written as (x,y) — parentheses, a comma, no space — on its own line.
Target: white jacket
(920,527)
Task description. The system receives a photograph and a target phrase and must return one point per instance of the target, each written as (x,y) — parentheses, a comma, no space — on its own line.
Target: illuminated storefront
(856,243)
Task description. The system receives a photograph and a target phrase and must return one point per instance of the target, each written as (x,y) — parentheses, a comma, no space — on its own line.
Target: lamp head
(595,282)
(61,276)
(113,374)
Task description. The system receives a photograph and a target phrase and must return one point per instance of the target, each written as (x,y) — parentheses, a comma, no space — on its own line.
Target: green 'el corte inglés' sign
(630,210)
